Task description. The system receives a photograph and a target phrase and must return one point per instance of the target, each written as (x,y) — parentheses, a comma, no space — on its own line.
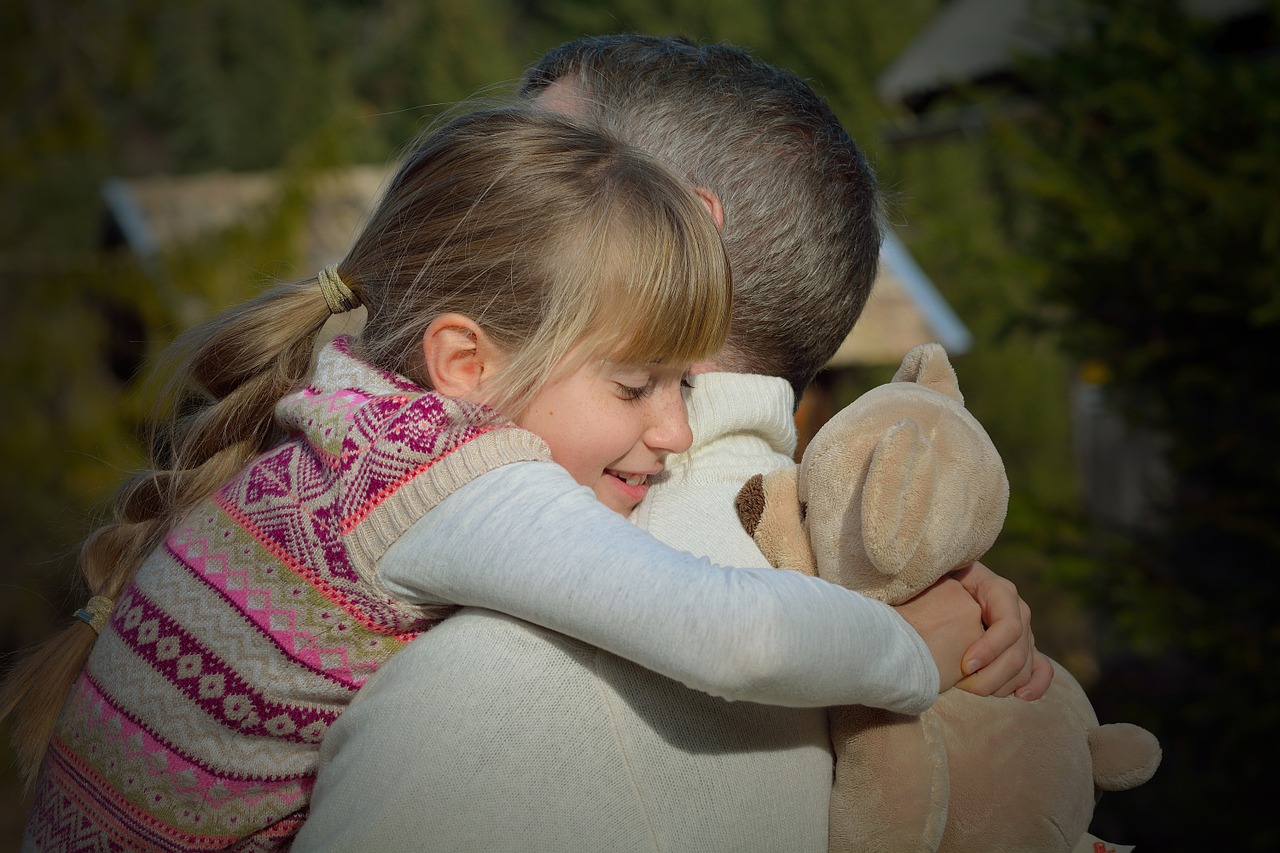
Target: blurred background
(1090,196)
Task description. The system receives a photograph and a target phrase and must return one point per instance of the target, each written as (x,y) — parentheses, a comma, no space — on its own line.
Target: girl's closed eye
(639,385)
(635,392)
(634,382)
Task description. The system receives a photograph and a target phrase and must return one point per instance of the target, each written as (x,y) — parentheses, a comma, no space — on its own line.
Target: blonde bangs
(663,285)
(630,267)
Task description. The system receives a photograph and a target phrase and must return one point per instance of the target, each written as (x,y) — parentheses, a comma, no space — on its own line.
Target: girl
(303,523)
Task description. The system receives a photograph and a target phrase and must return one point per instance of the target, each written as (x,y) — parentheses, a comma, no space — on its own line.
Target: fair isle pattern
(196,723)
(82,818)
(139,762)
(208,681)
(296,613)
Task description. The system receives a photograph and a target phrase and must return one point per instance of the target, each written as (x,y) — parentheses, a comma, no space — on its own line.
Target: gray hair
(802,211)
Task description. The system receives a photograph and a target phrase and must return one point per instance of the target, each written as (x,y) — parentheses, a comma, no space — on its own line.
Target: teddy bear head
(900,487)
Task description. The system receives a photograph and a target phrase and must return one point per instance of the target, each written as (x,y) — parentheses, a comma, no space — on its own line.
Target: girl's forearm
(525,540)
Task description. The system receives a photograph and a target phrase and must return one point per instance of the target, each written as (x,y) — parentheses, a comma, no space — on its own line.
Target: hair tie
(96,613)
(336,293)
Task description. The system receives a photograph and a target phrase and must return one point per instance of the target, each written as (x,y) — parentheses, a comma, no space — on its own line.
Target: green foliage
(1150,180)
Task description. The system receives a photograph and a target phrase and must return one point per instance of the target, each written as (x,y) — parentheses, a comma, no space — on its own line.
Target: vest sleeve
(526,540)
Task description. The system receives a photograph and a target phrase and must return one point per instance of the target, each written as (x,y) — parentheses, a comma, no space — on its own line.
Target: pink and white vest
(197,721)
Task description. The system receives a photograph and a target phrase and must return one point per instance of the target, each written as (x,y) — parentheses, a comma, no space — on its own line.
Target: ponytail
(215,415)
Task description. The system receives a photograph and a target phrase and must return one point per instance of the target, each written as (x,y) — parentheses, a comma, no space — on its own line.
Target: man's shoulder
(475,642)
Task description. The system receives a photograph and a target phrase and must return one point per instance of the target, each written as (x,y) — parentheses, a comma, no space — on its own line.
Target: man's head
(801,210)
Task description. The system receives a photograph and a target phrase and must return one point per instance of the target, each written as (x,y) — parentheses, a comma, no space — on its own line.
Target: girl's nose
(669,428)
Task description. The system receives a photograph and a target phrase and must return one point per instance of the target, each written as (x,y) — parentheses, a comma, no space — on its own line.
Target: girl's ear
(458,354)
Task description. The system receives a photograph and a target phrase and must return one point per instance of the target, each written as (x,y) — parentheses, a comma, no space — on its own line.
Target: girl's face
(612,426)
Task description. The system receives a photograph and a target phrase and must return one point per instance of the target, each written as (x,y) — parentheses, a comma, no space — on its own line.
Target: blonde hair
(553,238)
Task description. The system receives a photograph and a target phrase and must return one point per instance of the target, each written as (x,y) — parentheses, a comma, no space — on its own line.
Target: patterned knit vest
(197,721)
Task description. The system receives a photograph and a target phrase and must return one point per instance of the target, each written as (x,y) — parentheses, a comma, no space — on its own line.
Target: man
(520,739)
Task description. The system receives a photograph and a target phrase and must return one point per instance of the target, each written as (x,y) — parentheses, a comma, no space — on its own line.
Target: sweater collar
(722,404)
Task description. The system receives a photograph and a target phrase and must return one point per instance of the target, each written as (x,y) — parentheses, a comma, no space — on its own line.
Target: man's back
(491,734)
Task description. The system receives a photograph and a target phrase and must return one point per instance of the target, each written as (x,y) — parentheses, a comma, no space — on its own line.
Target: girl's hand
(949,620)
(1004,660)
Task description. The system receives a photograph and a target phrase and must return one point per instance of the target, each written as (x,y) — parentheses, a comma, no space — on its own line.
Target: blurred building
(150,215)
(972,45)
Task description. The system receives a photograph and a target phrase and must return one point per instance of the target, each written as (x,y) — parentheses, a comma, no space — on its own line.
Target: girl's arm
(526,540)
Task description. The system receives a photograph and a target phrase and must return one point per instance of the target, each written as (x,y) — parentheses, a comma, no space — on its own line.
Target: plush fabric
(899,488)
(197,721)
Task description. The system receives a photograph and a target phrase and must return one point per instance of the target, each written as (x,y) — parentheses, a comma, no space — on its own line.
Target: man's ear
(712,203)
(457,354)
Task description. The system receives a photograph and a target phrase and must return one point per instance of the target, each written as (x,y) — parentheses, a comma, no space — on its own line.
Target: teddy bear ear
(770,510)
(897,496)
(750,503)
(928,365)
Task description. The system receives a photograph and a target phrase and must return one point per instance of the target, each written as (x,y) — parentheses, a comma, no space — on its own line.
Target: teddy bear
(898,489)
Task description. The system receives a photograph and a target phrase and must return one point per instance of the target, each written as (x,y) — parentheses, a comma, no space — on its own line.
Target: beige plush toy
(898,489)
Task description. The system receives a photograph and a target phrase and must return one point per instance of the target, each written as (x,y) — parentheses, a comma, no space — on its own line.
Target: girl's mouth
(628,478)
